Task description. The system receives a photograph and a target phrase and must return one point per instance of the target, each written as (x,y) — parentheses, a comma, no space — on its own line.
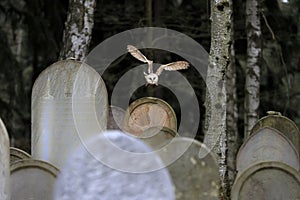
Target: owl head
(151,78)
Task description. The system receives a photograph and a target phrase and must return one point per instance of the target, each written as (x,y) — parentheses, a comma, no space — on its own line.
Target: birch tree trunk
(216,83)
(78,29)
(253,29)
(232,113)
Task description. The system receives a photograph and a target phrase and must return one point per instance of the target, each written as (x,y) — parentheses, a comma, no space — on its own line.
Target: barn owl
(151,77)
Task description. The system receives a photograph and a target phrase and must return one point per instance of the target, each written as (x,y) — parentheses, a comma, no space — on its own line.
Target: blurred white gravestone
(69,97)
(4,164)
(85,177)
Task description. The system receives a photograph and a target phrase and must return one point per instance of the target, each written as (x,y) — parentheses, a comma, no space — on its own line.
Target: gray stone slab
(32,179)
(4,163)
(267,180)
(267,144)
(194,177)
(157,137)
(283,124)
(147,112)
(69,105)
(17,155)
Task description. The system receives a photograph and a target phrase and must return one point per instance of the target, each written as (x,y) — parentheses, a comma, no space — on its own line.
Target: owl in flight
(151,77)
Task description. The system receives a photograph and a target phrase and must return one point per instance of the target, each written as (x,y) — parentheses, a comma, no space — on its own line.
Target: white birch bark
(216,84)
(78,29)
(253,29)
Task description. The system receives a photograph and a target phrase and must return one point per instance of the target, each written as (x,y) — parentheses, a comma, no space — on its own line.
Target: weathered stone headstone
(267,180)
(267,144)
(194,177)
(283,124)
(86,177)
(157,137)
(115,118)
(32,179)
(17,154)
(69,105)
(4,163)
(147,112)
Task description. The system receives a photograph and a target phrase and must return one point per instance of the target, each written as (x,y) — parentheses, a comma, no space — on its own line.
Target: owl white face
(151,78)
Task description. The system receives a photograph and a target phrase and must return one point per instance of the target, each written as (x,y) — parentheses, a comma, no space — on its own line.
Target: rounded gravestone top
(193,177)
(73,83)
(88,176)
(69,105)
(267,144)
(147,112)
(32,179)
(282,124)
(157,137)
(58,80)
(267,180)
(17,154)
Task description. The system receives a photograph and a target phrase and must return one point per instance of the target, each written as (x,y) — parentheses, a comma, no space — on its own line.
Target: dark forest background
(31,38)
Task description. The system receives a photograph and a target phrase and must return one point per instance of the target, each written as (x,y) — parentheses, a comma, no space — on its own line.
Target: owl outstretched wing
(173,66)
(138,55)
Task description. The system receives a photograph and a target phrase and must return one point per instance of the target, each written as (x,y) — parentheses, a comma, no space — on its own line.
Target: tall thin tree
(232,112)
(216,83)
(78,29)
(252,97)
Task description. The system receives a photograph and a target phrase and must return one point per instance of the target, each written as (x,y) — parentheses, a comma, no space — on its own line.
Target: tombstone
(157,137)
(32,179)
(17,154)
(193,177)
(4,163)
(86,176)
(148,112)
(69,106)
(267,144)
(115,118)
(283,124)
(267,180)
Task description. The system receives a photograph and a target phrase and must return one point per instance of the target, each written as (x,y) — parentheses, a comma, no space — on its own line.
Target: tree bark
(216,136)
(252,95)
(149,12)
(232,113)
(78,29)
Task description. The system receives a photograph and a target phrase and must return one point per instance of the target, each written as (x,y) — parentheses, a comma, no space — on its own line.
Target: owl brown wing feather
(173,66)
(136,53)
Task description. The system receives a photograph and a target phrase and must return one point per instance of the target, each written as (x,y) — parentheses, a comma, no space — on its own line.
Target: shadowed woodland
(31,38)
(31,33)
